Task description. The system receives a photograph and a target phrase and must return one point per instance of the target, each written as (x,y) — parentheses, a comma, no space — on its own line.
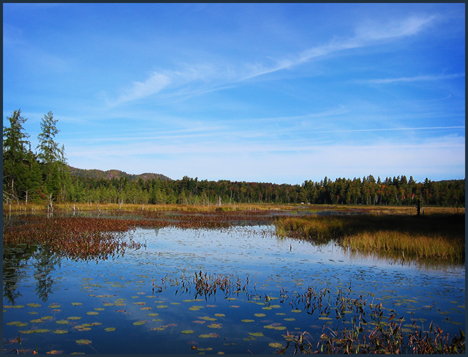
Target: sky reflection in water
(278,268)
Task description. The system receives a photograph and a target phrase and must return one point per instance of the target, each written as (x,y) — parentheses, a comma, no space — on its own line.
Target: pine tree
(50,156)
(34,179)
(15,156)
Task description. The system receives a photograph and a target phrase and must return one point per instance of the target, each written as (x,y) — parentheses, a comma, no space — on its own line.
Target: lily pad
(17,323)
(256,334)
(276,345)
(195,308)
(260,315)
(92,313)
(62,322)
(109,329)
(74,318)
(247,320)
(84,342)
(187,331)
(157,329)
(220,315)
(13,306)
(60,332)
(76,303)
(161,306)
(207,318)
(213,325)
(153,314)
(138,323)
(41,330)
(34,305)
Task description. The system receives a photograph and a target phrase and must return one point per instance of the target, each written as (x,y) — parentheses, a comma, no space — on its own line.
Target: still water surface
(146,301)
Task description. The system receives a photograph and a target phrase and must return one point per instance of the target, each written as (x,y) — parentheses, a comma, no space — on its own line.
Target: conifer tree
(15,156)
(50,156)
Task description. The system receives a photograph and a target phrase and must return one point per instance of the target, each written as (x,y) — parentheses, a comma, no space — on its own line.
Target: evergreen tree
(35,180)
(50,155)
(64,175)
(15,156)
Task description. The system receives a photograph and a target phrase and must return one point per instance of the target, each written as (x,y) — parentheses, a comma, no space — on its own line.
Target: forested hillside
(113,174)
(44,176)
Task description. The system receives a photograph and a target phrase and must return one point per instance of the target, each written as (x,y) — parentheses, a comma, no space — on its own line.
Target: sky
(278,93)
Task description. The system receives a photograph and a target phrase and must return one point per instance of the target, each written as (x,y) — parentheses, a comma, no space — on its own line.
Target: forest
(43,176)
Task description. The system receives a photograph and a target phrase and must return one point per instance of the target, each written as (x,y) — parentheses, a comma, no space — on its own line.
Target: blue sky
(244,92)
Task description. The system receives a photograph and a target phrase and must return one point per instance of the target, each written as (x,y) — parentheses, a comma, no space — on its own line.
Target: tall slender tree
(50,155)
(15,156)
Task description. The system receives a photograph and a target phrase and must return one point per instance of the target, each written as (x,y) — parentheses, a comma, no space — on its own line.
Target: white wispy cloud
(190,80)
(390,129)
(413,79)
(153,84)
(398,28)
(367,35)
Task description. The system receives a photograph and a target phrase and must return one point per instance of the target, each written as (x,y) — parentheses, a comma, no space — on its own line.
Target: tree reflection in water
(45,262)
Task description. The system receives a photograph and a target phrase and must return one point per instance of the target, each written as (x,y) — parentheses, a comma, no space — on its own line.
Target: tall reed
(439,237)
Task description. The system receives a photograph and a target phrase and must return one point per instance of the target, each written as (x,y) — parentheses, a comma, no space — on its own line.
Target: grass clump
(440,237)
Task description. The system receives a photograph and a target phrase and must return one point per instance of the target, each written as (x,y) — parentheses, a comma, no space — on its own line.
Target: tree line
(366,191)
(44,176)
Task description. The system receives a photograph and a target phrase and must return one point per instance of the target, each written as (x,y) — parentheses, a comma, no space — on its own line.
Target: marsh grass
(32,207)
(114,207)
(435,236)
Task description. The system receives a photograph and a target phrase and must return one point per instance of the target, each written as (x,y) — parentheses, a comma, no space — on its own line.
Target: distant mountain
(110,174)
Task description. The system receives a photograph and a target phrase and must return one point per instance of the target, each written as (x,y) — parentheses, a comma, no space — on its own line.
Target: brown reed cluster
(207,285)
(72,237)
(389,339)
(369,330)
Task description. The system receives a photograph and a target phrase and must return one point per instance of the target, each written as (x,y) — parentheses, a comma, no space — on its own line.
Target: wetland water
(147,301)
